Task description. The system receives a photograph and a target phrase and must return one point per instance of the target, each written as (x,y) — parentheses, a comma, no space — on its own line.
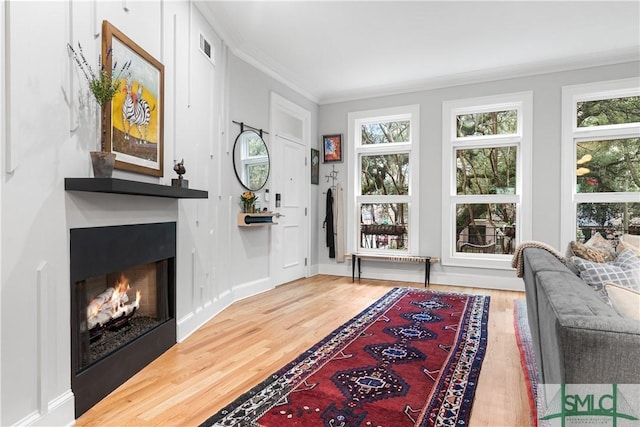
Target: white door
(289,240)
(290,182)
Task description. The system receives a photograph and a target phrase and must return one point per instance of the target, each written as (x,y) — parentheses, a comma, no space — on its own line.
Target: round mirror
(251,160)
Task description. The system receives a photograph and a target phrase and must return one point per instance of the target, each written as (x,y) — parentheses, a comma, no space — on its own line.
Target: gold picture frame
(135,122)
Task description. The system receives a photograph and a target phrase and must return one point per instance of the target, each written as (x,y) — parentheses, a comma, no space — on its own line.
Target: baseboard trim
(249,289)
(193,321)
(60,412)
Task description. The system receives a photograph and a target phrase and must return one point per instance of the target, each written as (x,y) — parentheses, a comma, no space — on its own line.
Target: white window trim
(523,102)
(571,134)
(355,119)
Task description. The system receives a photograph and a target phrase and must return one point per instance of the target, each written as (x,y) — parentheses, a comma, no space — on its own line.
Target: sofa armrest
(599,350)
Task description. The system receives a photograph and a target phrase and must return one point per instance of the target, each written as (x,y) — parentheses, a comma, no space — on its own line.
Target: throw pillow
(622,245)
(626,301)
(584,251)
(603,245)
(629,261)
(624,271)
(632,239)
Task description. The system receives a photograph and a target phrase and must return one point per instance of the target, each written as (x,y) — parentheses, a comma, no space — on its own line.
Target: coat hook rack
(244,125)
(333,176)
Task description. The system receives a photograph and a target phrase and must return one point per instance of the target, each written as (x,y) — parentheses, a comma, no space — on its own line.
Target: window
(384,181)
(601,160)
(486,179)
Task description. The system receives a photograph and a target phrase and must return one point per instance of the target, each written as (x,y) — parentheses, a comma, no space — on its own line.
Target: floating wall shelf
(136,188)
(255,219)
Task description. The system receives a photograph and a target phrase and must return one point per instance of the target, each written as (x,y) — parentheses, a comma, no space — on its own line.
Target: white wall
(249,95)
(50,135)
(49,139)
(546,167)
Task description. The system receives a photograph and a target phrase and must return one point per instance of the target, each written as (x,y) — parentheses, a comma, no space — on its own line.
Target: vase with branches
(104,84)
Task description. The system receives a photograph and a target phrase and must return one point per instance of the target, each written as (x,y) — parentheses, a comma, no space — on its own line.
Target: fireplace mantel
(124,186)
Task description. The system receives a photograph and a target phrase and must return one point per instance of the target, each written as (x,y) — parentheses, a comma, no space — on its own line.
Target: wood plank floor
(254,337)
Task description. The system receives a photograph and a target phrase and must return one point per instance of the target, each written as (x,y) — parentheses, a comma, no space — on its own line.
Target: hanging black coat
(328,224)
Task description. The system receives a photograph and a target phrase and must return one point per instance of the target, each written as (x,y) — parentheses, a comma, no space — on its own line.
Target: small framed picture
(315,166)
(332,148)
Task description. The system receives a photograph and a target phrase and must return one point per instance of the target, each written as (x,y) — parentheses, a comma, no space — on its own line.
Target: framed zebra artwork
(136,123)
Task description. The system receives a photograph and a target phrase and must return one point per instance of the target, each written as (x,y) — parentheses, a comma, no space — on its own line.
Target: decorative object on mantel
(104,85)
(180,170)
(248,199)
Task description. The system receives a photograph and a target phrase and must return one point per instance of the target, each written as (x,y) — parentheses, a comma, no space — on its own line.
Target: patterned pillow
(583,251)
(603,245)
(624,271)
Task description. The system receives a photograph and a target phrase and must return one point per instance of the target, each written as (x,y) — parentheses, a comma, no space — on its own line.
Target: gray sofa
(578,338)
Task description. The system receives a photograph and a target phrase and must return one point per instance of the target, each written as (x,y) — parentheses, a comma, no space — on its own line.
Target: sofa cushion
(631,239)
(563,290)
(624,271)
(607,247)
(584,251)
(624,244)
(626,301)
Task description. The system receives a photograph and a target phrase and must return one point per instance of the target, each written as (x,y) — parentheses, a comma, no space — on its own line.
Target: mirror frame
(235,165)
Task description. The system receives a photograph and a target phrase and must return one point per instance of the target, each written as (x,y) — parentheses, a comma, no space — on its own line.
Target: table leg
(353,268)
(359,269)
(427,271)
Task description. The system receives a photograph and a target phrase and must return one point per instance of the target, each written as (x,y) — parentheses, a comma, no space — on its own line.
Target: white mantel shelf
(136,188)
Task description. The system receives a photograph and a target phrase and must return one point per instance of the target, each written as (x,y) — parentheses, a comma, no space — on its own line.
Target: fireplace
(122,304)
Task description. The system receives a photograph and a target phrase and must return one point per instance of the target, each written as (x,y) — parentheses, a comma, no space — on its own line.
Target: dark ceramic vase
(103,164)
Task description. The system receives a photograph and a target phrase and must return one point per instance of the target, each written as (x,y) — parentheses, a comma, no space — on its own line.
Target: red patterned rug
(527,356)
(410,359)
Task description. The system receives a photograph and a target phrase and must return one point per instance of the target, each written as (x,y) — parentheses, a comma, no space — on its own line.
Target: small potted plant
(248,199)
(104,85)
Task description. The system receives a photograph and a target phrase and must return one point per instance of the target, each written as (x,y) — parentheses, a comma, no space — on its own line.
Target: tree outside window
(485,144)
(386,147)
(607,167)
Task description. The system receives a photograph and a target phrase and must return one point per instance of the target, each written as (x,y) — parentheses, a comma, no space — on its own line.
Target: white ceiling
(337,50)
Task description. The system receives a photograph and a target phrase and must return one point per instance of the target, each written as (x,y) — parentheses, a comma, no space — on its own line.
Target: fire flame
(112,303)
(119,297)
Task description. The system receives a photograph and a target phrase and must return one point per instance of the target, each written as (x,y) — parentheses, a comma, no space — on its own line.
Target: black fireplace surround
(105,251)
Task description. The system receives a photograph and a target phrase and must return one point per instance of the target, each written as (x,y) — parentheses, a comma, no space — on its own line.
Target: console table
(427,260)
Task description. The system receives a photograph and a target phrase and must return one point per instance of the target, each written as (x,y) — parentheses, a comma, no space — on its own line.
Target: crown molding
(269,71)
(250,58)
(472,77)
